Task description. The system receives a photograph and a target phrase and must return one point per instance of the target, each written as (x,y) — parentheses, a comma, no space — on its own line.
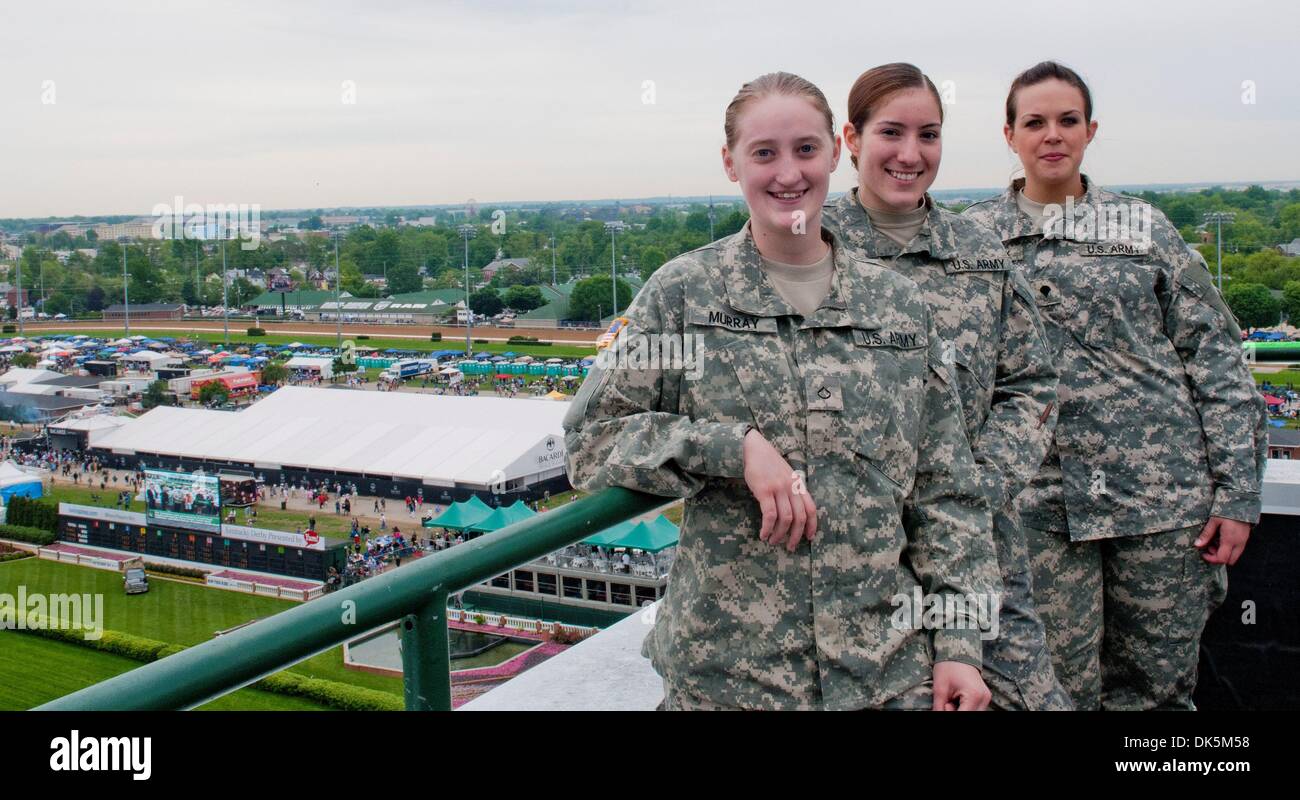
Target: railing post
(426,660)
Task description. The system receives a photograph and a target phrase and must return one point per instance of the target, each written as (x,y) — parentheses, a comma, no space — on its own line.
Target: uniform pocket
(882,405)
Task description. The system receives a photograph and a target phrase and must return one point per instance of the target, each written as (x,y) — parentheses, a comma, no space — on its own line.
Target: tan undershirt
(901,228)
(1033,209)
(802,286)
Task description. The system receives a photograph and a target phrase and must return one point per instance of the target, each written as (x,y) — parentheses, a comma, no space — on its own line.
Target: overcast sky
(245,102)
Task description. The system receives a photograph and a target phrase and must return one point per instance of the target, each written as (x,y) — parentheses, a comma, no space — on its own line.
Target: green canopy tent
(499,518)
(652,537)
(610,534)
(460,516)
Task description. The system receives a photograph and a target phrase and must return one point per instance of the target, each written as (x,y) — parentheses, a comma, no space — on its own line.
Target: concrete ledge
(602,673)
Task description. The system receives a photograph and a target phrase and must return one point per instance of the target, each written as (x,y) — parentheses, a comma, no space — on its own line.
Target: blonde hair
(779,83)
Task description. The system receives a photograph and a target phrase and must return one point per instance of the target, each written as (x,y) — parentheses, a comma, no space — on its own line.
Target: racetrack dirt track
(449,334)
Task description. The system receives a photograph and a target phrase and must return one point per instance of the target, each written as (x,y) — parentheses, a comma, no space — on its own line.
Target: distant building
(10,295)
(490,271)
(343,221)
(278,280)
(146,311)
(1292,248)
(135,229)
(292,300)
(1284,443)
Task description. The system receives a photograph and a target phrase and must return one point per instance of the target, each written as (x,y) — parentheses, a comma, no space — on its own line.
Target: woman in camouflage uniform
(1152,483)
(817,438)
(984,312)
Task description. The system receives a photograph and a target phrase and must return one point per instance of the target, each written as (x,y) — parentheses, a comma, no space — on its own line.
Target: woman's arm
(1013,442)
(624,428)
(1207,339)
(948,520)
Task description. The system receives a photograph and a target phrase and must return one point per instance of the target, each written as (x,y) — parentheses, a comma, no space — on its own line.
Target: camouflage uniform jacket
(1160,423)
(985,312)
(856,397)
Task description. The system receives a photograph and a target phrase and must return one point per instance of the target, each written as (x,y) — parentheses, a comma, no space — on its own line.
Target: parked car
(135,581)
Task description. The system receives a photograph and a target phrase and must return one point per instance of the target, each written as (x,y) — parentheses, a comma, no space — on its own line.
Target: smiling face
(898,150)
(1050,133)
(783,158)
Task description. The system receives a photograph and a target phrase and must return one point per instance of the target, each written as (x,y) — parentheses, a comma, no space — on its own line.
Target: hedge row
(331,693)
(168,569)
(257,331)
(22,533)
(15,555)
(137,648)
(435,337)
(32,513)
(342,696)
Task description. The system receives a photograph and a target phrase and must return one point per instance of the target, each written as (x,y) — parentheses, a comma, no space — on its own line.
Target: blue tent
(16,483)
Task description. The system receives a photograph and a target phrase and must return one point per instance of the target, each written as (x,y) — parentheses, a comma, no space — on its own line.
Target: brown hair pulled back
(1046,71)
(878,84)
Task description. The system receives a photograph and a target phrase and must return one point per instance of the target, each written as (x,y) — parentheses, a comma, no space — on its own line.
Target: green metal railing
(416,595)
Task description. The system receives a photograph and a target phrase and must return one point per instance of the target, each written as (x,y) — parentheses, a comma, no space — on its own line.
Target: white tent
(151,357)
(438,440)
(325,365)
(17,376)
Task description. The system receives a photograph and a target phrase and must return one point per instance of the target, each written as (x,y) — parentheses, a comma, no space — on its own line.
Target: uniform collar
(848,303)
(936,237)
(1012,223)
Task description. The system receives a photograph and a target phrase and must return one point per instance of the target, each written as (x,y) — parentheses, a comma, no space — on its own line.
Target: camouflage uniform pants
(918,698)
(1124,616)
(1017,664)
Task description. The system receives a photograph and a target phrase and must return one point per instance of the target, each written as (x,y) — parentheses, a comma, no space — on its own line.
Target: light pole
(1218,218)
(468,232)
(225,295)
(18,295)
(614,228)
(338,303)
(710,218)
(198,280)
(553,281)
(126,296)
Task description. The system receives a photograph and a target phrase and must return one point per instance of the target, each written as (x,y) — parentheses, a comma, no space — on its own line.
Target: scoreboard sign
(188,499)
